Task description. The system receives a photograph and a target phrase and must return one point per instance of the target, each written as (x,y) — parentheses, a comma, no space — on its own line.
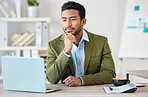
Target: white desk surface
(83,91)
(139,73)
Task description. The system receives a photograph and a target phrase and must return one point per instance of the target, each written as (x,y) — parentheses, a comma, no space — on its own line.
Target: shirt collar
(84,36)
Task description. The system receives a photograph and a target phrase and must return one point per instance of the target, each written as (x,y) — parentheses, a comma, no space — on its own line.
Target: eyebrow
(70,17)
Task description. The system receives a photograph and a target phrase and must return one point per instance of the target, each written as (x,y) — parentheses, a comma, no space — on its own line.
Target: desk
(139,73)
(83,91)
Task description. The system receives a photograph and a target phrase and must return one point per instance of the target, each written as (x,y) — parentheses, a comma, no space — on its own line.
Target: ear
(83,22)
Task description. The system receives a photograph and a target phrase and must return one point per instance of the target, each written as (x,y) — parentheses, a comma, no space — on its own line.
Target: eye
(63,20)
(73,19)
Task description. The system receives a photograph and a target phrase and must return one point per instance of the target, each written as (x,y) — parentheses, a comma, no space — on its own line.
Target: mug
(120,81)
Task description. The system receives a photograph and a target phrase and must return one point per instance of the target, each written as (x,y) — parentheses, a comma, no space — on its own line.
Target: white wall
(104,17)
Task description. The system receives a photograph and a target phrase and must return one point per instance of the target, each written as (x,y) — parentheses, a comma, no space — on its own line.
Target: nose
(68,23)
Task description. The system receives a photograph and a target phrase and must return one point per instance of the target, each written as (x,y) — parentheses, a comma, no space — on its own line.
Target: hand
(73,81)
(68,41)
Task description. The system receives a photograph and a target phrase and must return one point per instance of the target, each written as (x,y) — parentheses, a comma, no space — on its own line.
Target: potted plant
(33,9)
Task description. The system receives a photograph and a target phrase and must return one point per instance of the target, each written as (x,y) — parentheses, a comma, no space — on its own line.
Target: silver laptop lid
(23,74)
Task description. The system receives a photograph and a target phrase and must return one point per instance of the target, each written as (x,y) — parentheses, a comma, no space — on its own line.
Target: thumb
(66,34)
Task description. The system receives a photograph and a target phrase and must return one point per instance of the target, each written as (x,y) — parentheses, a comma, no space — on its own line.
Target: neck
(78,37)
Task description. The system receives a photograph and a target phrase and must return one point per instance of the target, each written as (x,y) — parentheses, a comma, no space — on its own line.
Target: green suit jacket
(98,68)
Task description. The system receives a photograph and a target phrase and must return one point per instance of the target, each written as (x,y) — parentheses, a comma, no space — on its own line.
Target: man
(78,57)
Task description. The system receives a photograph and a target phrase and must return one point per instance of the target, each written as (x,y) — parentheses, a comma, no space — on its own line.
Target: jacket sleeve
(107,69)
(56,65)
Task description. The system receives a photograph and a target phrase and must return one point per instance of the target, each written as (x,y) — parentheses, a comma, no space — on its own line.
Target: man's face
(71,21)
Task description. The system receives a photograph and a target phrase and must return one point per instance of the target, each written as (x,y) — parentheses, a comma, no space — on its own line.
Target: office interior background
(104,17)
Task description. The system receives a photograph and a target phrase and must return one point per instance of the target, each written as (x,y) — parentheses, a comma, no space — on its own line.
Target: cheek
(63,25)
(76,23)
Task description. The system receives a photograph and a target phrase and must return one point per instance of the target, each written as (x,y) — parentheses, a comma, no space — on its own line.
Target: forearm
(57,69)
(56,65)
(103,77)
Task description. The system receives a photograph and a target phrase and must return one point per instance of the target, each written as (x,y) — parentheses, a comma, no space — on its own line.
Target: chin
(70,32)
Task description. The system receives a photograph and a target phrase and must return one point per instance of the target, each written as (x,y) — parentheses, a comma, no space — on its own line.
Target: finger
(66,79)
(68,83)
(71,37)
(71,84)
(66,33)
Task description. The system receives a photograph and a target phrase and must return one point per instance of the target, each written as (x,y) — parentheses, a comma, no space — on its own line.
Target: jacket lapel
(88,51)
(71,66)
(70,60)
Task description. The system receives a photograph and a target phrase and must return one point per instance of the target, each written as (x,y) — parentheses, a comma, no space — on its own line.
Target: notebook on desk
(25,74)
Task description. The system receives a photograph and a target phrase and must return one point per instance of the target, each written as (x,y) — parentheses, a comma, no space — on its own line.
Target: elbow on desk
(50,77)
(50,80)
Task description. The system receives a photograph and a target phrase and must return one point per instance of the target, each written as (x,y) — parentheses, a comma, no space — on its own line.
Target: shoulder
(56,40)
(95,37)
(55,45)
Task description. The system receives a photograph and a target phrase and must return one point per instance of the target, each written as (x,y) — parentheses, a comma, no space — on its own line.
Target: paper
(145,30)
(146,24)
(137,8)
(119,89)
(136,20)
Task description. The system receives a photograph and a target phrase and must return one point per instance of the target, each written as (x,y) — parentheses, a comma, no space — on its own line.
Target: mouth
(69,29)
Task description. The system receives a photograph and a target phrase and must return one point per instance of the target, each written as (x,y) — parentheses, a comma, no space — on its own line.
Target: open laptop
(25,74)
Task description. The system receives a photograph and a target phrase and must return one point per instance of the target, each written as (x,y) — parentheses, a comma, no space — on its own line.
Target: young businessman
(78,57)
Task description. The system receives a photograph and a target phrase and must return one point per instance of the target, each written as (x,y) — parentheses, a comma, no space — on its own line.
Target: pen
(110,88)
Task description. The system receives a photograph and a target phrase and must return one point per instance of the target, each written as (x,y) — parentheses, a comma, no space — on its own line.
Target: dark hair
(73,5)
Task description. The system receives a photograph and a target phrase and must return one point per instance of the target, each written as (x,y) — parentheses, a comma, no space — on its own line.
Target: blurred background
(104,17)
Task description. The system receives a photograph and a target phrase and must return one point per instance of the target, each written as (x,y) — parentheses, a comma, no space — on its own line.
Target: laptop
(25,74)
